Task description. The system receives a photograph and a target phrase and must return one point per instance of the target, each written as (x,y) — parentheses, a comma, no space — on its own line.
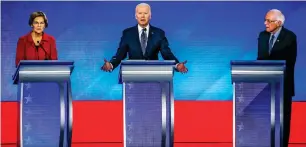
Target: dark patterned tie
(271,43)
(144,40)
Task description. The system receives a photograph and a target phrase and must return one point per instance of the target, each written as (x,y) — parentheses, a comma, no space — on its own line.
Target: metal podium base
(44,111)
(257,107)
(148,114)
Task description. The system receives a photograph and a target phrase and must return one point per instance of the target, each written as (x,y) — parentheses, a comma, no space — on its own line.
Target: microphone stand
(46,54)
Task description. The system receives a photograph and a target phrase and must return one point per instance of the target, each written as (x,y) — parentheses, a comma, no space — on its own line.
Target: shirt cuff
(176,65)
(111,66)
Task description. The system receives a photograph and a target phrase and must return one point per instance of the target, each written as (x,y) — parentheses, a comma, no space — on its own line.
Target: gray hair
(279,15)
(143,4)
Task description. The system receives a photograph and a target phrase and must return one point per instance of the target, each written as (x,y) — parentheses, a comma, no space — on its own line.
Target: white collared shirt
(140,31)
(276,34)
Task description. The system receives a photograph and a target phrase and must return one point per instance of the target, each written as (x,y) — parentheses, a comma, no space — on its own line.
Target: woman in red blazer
(36,45)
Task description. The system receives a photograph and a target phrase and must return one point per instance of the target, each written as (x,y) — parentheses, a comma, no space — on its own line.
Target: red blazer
(26,49)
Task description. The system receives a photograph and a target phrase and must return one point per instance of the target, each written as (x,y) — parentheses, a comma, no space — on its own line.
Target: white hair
(279,15)
(143,4)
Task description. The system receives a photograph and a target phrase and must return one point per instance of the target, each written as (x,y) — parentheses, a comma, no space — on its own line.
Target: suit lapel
(278,40)
(137,38)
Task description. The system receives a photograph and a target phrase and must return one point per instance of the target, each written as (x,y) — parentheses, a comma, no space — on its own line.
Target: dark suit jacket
(26,49)
(130,45)
(285,48)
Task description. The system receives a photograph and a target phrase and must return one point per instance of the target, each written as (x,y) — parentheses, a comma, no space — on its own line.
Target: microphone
(36,47)
(46,54)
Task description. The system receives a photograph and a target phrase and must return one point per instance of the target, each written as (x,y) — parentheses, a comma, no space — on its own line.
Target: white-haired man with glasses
(279,43)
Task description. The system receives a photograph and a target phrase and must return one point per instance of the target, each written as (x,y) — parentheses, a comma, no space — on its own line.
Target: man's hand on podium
(107,66)
(181,67)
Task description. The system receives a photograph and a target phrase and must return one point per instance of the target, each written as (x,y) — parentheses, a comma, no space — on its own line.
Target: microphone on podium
(46,54)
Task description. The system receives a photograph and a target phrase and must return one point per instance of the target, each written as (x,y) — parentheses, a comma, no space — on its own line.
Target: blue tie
(271,43)
(144,40)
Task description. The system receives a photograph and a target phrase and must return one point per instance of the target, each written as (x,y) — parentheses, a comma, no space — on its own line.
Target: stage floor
(196,122)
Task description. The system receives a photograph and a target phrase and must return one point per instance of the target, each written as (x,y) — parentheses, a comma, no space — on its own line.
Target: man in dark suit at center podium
(143,42)
(279,43)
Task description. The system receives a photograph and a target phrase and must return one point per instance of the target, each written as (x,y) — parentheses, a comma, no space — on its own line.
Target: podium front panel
(147,114)
(257,114)
(44,108)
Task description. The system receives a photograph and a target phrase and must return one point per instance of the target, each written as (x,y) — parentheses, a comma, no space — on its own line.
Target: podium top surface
(259,62)
(146,71)
(258,67)
(42,69)
(148,62)
(44,62)
(257,70)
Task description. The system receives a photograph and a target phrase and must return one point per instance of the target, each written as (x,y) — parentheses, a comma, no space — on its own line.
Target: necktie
(271,43)
(144,40)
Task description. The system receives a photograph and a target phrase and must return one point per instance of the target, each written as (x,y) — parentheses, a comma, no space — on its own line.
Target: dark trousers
(287,119)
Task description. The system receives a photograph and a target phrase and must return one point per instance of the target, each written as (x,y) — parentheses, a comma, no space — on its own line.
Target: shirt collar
(277,32)
(140,28)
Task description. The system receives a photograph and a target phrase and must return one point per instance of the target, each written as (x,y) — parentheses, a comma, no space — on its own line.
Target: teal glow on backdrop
(207,34)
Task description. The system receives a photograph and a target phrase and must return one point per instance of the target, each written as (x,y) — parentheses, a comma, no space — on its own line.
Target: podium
(148,104)
(45,103)
(257,103)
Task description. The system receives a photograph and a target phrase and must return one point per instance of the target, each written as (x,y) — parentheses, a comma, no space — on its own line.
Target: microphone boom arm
(46,54)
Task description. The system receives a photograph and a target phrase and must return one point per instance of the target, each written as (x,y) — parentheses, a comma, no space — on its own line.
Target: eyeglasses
(38,23)
(269,21)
